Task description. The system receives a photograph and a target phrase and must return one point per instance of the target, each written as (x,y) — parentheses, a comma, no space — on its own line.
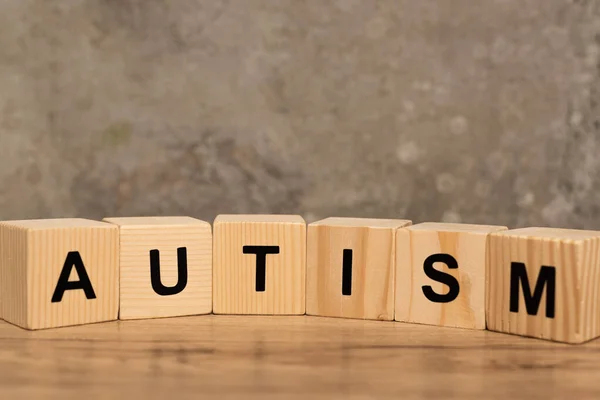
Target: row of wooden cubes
(538,282)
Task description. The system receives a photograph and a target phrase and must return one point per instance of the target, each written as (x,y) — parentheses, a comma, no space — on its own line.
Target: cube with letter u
(165,267)
(58,272)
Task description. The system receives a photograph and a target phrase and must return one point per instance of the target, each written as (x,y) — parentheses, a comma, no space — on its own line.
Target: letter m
(547,277)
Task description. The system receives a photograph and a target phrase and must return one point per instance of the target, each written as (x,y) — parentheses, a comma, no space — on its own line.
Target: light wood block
(545,283)
(440,274)
(58,272)
(273,282)
(166,266)
(350,268)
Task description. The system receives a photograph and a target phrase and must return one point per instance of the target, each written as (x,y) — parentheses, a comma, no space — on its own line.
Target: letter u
(182,273)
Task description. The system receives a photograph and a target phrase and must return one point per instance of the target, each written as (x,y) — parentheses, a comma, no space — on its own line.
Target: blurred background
(440,110)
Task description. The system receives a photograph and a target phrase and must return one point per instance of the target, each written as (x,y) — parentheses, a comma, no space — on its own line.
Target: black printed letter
(347,273)
(73,260)
(432,273)
(547,275)
(182,273)
(261,263)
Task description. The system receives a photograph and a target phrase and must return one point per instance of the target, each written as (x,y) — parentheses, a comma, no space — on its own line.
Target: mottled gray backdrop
(454,110)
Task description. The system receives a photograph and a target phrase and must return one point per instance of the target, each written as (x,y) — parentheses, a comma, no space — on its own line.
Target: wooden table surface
(235,357)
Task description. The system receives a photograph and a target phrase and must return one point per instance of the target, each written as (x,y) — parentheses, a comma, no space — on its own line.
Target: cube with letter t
(544,283)
(58,272)
(259,264)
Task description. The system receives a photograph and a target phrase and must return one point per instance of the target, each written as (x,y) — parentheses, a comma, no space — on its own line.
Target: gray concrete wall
(454,110)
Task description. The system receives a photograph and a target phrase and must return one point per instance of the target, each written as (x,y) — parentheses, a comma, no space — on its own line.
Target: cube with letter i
(58,272)
(440,274)
(350,267)
(166,266)
(259,264)
(544,283)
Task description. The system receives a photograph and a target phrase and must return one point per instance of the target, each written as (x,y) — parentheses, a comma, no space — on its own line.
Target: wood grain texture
(234,273)
(13,273)
(140,235)
(33,255)
(575,255)
(373,259)
(296,358)
(467,245)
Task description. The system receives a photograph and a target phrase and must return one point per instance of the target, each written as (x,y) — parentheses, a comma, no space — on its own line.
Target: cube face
(65,272)
(350,268)
(440,274)
(544,283)
(13,274)
(166,267)
(259,264)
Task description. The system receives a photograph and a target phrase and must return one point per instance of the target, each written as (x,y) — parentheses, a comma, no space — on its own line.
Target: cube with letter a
(166,266)
(544,283)
(440,274)
(350,267)
(58,272)
(259,264)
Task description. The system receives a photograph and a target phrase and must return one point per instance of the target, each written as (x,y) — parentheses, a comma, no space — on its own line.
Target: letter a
(73,260)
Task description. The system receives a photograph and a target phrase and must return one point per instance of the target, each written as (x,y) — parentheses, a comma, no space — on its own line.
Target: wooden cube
(166,266)
(58,272)
(350,268)
(259,264)
(440,274)
(544,283)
